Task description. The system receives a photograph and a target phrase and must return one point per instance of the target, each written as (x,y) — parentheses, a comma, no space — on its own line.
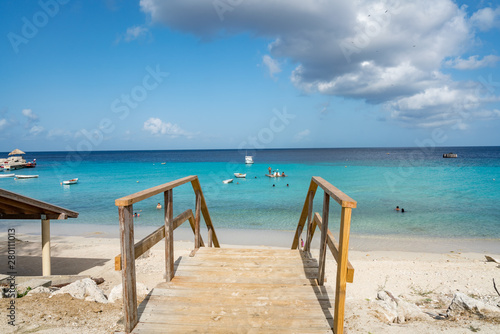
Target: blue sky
(151,74)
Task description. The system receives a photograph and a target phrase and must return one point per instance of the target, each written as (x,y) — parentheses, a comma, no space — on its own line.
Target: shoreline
(272,238)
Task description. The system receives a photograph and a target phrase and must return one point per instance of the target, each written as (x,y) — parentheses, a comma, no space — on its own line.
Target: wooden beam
(334,248)
(303,216)
(324,234)
(340,286)
(126,218)
(206,215)
(192,223)
(6,195)
(341,198)
(307,246)
(169,235)
(46,267)
(197,221)
(36,216)
(141,195)
(153,238)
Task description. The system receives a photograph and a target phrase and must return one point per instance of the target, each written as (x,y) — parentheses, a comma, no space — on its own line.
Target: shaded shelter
(16,206)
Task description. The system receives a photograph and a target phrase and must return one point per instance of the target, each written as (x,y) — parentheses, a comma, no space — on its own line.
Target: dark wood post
(322,246)
(169,235)
(126,218)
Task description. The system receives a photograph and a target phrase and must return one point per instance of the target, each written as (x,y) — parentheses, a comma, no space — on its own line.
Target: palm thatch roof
(16,152)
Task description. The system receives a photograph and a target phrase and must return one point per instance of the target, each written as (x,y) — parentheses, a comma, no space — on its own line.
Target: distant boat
(7,175)
(72,181)
(31,164)
(227,181)
(26,176)
(450,155)
(239,175)
(248,159)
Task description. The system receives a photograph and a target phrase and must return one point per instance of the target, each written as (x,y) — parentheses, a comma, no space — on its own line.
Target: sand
(427,276)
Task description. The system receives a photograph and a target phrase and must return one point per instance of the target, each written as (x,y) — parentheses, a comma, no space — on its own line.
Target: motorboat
(450,155)
(227,181)
(31,164)
(72,181)
(7,175)
(240,175)
(248,159)
(26,176)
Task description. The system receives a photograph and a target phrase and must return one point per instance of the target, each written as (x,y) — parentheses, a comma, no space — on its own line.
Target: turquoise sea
(451,198)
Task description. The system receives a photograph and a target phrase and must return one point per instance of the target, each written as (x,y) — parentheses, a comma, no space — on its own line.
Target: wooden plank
(324,233)
(169,235)
(341,198)
(153,238)
(303,216)
(141,195)
(126,219)
(334,248)
(192,223)
(340,286)
(206,215)
(197,243)
(46,268)
(307,246)
(37,205)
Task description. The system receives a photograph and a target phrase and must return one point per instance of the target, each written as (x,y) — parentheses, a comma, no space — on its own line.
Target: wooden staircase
(239,291)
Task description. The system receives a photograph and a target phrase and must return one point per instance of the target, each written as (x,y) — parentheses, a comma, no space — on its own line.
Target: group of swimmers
(397,209)
(275,173)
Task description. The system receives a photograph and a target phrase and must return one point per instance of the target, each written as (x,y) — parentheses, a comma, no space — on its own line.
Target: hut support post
(46,269)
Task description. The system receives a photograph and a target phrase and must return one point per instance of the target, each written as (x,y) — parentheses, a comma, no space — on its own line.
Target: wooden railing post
(126,217)
(324,233)
(169,235)
(307,246)
(197,217)
(340,287)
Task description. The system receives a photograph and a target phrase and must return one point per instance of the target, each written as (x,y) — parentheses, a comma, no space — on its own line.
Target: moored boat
(450,155)
(227,181)
(248,159)
(240,175)
(7,175)
(72,181)
(26,176)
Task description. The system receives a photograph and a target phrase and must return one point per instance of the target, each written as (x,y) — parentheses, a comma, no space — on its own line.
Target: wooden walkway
(240,291)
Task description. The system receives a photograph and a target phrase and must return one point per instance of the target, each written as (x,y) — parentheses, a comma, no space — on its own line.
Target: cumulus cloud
(156,126)
(473,62)
(486,18)
(382,52)
(272,65)
(30,114)
(302,135)
(3,123)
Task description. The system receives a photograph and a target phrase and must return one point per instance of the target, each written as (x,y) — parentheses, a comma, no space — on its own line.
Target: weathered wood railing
(345,271)
(129,252)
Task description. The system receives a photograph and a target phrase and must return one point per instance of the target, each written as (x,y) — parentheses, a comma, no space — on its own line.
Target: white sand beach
(427,277)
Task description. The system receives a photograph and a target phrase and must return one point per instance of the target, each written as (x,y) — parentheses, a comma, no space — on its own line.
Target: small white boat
(227,181)
(239,175)
(26,176)
(7,175)
(248,159)
(72,181)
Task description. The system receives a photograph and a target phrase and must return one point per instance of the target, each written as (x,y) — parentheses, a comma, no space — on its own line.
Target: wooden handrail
(345,271)
(130,251)
(153,238)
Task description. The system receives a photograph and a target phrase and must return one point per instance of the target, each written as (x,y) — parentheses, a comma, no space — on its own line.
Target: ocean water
(451,198)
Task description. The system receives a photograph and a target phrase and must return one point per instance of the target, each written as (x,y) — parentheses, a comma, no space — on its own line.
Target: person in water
(283,174)
(158,206)
(397,208)
(402,210)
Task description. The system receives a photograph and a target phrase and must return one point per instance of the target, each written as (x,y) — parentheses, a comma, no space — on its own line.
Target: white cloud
(3,123)
(473,62)
(30,114)
(36,130)
(135,32)
(486,18)
(383,52)
(57,133)
(156,126)
(302,135)
(272,65)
